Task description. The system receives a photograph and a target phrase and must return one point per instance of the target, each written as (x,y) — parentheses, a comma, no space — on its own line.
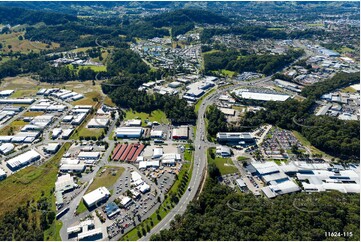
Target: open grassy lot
(85,132)
(94,68)
(13,127)
(90,98)
(185,176)
(32,114)
(157,115)
(107,178)
(349,89)
(225,165)
(81,208)
(24,93)
(29,183)
(25,46)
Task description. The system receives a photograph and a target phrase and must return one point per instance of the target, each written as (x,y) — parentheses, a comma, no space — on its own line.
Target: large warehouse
(129,132)
(99,195)
(23,159)
(261,96)
(235,138)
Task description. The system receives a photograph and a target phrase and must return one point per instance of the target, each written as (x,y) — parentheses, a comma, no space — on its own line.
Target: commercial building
(55,133)
(129,132)
(112,209)
(223,151)
(23,159)
(180,132)
(234,137)
(97,196)
(91,235)
(125,201)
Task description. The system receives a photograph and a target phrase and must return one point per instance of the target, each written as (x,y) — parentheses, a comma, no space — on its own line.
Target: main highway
(200,156)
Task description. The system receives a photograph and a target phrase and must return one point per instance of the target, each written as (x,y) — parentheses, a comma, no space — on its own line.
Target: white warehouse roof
(95,196)
(23,159)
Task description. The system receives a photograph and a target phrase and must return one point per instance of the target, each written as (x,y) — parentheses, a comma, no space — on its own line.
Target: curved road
(200,158)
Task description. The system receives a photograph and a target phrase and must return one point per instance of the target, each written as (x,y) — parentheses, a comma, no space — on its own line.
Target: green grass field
(164,209)
(29,183)
(13,127)
(225,165)
(349,90)
(81,208)
(94,68)
(157,115)
(93,132)
(23,93)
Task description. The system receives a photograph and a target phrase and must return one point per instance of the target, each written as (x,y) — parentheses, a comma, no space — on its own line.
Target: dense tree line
(217,121)
(233,61)
(125,60)
(28,222)
(182,16)
(23,16)
(130,72)
(340,80)
(220,214)
(259,32)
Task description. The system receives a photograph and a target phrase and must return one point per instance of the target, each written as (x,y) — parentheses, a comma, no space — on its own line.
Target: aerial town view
(180,120)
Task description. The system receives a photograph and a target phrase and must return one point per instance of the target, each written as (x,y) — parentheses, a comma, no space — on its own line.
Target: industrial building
(26,101)
(6,93)
(66,133)
(6,148)
(129,132)
(84,155)
(75,168)
(23,159)
(345,181)
(97,196)
(2,174)
(52,148)
(278,183)
(174,84)
(64,183)
(180,132)
(260,96)
(98,122)
(134,123)
(158,134)
(55,133)
(234,138)
(157,153)
(148,164)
